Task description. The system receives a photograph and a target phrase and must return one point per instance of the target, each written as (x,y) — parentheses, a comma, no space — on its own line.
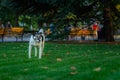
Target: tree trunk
(16,22)
(108,25)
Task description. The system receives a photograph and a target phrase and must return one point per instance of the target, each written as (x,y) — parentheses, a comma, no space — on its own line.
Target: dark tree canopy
(60,8)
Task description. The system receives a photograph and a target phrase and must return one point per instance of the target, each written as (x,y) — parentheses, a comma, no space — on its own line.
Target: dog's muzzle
(38,38)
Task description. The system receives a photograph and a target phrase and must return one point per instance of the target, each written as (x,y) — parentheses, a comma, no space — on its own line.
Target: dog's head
(38,37)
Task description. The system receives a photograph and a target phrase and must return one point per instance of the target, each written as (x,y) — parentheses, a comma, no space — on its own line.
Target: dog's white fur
(34,42)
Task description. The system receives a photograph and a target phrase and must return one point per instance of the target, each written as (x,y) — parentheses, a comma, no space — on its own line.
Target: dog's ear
(33,33)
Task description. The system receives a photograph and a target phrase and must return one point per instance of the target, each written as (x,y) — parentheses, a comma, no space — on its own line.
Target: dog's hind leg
(40,50)
(29,53)
(42,47)
(43,42)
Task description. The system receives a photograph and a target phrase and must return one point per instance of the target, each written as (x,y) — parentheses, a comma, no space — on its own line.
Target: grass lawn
(60,62)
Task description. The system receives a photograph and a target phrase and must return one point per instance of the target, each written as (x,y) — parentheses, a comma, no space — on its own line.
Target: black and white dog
(37,41)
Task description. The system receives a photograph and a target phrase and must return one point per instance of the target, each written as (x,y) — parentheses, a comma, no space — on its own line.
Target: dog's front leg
(35,50)
(29,53)
(40,50)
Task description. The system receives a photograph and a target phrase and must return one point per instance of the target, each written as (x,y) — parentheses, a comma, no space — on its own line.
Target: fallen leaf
(59,59)
(44,67)
(68,53)
(26,69)
(97,69)
(73,68)
(74,72)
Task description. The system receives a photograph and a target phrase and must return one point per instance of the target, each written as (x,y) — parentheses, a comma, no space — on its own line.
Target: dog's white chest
(36,44)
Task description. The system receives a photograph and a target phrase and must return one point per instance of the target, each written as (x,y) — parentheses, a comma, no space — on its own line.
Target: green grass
(60,62)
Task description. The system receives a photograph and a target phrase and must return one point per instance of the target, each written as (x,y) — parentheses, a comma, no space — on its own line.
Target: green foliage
(6,13)
(29,20)
(51,10)
(60,62)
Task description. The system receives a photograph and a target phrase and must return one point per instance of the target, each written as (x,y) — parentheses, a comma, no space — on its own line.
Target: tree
(6,13)
(109,12)
(81,8)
